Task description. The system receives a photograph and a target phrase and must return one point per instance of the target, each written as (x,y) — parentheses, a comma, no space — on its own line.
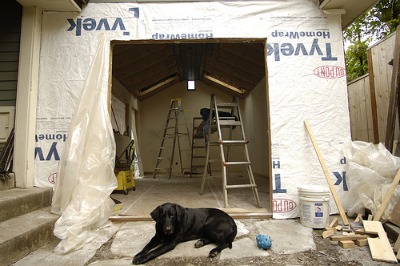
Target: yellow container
(125,181)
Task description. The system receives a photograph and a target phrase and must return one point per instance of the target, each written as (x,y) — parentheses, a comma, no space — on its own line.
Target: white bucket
(314,206)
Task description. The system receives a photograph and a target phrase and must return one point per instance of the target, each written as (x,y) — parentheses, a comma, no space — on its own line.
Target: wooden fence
(369,96)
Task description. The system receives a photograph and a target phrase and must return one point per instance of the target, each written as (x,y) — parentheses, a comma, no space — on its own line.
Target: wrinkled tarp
(370,172)
(86,178)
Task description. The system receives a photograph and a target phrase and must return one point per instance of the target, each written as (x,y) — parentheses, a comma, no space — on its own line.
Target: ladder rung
(236,163)
(229,123)
(240,186)
(198,165)
(197,147)
(233,142)
(199,157)
(227,104)
(158,168)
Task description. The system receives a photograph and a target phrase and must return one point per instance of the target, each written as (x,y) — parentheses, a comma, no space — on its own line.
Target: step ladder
(198,154)
(175,131)
(228,122)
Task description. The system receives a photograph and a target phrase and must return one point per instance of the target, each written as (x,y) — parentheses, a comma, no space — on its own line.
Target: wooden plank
(381,54)
(380,247)
(372,102)
(361,242)
(327,176)
(328,233)
(334,222)
(387,197)
(347,244)
(349,237)
(235,213)
(394,91)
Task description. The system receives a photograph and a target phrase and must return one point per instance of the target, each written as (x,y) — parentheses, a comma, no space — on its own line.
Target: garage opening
(147,78)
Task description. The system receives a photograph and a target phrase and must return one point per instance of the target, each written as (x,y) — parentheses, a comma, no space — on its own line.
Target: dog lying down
(176,224)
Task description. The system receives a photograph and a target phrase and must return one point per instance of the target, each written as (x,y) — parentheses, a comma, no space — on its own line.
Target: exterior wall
(10,32)
(305,76)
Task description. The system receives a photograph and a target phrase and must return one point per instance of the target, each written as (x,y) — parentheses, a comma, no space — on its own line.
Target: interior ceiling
(147,68)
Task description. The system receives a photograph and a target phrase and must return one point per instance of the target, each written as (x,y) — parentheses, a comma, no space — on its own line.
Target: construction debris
(363,233)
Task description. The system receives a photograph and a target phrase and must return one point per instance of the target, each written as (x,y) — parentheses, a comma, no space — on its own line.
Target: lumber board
(348,237)
(347,244)
(380,247)
(327,176)
(393,97)
(387,197)
(328,233)
(334,222)
(362,242)
(238,215)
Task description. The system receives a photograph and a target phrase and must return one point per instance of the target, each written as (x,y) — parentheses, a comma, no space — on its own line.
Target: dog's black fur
(176,224)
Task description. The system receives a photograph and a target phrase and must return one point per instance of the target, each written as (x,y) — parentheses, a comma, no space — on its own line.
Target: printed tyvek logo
(283,205)
(330,72)
(80,25)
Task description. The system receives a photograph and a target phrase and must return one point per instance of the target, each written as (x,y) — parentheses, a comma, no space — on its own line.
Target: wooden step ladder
(175,129)
(198,155)
(219,119)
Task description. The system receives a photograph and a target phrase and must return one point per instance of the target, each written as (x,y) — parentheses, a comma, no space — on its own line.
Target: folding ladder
(174,130)
(198,155)
(228,122)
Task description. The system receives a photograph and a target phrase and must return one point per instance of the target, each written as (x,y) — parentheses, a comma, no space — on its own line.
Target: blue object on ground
(264,241)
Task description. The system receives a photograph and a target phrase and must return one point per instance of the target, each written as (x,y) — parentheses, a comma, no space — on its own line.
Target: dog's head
(169,216)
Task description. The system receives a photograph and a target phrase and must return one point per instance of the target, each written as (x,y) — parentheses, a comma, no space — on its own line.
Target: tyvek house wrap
(305,77)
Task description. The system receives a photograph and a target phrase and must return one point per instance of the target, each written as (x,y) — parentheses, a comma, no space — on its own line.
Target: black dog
(176,224)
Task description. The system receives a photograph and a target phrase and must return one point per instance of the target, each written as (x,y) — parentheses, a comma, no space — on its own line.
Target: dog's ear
(180,213)
(155,214)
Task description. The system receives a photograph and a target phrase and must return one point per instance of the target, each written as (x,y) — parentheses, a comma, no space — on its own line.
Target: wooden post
(394,94)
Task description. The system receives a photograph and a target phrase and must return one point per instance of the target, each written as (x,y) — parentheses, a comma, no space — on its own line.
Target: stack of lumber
(363,233)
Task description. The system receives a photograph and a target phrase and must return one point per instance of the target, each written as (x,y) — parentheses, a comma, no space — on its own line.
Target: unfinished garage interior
(157,75)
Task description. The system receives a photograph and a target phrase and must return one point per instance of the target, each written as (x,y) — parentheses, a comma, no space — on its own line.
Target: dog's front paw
(199,244)
(138,259)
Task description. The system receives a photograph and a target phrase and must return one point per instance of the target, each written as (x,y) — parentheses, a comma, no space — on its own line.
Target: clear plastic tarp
(86,177)
(370,172)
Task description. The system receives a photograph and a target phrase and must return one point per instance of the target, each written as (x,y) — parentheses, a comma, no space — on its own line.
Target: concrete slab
(116,262)
(243,248)
(288,236)
(132,237)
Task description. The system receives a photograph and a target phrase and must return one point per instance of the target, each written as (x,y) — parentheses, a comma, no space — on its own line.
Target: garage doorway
(147,75)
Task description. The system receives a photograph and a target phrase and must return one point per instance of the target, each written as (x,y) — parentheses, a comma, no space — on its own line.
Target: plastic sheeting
(370,172)
(86,176)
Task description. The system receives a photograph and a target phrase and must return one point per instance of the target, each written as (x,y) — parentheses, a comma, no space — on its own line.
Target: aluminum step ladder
(219,119)
(175,131)
(198,154)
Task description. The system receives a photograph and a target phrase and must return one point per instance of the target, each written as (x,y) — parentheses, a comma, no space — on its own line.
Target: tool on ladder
(220,119)
(173,131)
(198,155)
